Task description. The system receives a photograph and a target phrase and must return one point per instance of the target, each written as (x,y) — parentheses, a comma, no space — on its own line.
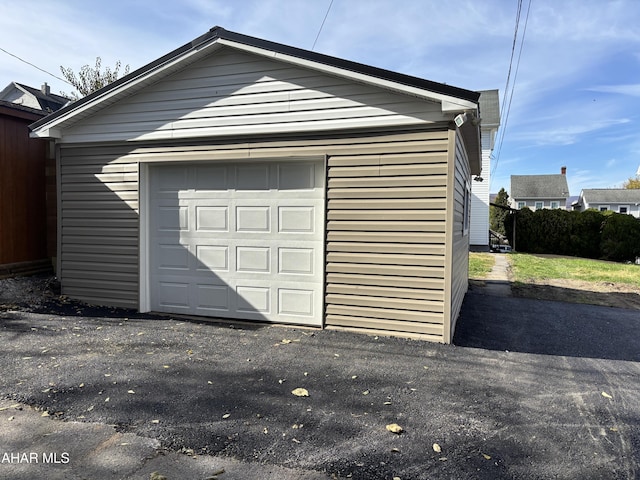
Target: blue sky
(576,97)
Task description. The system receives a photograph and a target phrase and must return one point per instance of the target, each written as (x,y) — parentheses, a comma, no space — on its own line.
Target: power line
(513,86)
(35,66)
(324,20)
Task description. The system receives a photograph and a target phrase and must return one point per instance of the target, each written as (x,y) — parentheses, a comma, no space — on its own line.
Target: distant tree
(90,79)
(498,215)
(632,183)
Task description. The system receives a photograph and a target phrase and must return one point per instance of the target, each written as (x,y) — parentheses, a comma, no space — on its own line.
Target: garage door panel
(241,241)
(211,177)
(298,261)
(298,302)
(173,257)
(214,298)
(253,219)
(253,299)
(173,219)
(253,259)
(212,258)
(296,219)
(253,177)
(174,296)
(296,176)
(212,219)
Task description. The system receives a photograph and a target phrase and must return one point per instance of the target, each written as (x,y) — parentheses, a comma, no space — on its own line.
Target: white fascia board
(449,104)
(48,129)
(46,132)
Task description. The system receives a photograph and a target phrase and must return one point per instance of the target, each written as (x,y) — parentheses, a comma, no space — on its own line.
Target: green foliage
(620,239)
(91,79)
(632,183)
(588,234)
(498,215)
(585,233)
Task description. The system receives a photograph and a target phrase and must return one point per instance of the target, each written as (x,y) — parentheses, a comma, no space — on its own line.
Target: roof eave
(453,99)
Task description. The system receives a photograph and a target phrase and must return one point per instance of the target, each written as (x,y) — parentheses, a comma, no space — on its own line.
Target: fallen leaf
(11,418)
(387,403)
(131,392)
(437,448)
(353,377)
(486,457)
(606,395)
(157,476)
(366,392)
(300,392)
(285,341)
(295,440)
(397,478)
(614,429)
(394,428)
(226,415)
(265,430)
(81,385)
(106,400)
(45,414)
(155,421)
(395,450)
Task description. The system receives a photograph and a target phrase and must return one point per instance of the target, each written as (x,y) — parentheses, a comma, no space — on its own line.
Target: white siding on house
(479,231)
(234,93)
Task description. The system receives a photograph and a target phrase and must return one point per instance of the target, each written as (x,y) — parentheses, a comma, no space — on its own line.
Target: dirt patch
(578,291)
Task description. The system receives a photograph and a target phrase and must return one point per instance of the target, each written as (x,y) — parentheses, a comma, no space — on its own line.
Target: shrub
(620,237)
(585,233)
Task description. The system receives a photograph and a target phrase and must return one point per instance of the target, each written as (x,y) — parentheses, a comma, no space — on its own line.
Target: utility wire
(506,92)
(319,31)
(35,66)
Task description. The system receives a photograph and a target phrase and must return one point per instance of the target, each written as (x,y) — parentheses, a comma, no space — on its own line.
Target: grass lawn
(480,264)
(527,267)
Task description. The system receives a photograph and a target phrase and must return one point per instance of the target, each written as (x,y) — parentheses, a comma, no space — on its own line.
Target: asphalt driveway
(531,389)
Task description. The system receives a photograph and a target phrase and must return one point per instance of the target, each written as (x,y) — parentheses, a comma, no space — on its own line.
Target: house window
(623,209)
(539,205)
(521,205)
(604,208)
(555,204)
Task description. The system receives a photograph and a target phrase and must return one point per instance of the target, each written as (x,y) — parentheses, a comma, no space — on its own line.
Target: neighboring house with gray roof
(540,191)
(489,104)
(39,99)
(619,200)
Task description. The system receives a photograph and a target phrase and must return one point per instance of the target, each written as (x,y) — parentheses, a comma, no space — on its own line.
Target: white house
(619,200)
(489,123)
(540,191)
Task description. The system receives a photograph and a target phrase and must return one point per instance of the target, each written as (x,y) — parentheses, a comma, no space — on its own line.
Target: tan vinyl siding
(385,251)
(386,222)
(99,227)
(233,93)
(458,275)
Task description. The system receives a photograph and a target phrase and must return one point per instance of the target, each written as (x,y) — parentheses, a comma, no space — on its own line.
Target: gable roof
(49,102)
(539,186)
(489,108)
(453,99)
(611,195)
(20,111)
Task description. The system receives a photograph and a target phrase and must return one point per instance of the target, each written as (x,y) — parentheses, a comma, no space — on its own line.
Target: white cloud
(632,90)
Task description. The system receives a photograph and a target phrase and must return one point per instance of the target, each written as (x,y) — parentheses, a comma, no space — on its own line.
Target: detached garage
(240,178)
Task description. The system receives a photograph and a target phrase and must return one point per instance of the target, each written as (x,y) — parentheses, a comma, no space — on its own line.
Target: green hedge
(588,234)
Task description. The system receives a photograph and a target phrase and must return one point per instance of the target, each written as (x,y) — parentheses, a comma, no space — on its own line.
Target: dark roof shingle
(539,186)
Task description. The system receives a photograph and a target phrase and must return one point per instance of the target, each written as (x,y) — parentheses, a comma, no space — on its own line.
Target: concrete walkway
(37,446)
(497,282)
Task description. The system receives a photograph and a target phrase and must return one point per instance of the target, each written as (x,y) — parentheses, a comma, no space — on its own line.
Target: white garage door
(238,240)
